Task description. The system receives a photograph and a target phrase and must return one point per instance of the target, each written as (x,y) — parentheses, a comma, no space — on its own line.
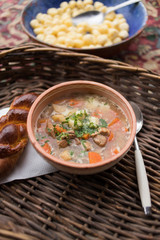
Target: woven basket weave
(64,206)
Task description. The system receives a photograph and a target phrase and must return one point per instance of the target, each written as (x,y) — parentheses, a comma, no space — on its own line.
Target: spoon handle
(126,3)
(142,180)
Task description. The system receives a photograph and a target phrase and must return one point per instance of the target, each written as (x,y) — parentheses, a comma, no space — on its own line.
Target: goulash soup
(82,129)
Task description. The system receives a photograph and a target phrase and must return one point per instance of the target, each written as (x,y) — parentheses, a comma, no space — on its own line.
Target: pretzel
(13,132)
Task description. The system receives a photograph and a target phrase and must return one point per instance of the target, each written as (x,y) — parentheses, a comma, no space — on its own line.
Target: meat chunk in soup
(87,145)
(100,140)
(62,143)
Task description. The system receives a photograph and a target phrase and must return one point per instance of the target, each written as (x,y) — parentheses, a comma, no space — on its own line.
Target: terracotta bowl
(135,14)
(80,86)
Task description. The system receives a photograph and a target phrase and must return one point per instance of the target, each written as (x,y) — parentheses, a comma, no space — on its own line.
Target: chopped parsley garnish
(44,137)
(64,122)
(49,130)
(84,152)
(52,152)
(85,129)
(103,123)
(92,125)
(83,143)
(62,135)
(79,133)
(71,153)
(68,141)
(82,123)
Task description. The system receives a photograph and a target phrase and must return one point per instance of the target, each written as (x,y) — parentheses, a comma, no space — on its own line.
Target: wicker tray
(63,206)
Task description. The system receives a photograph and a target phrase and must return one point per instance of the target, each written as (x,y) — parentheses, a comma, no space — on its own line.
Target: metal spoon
(140,167)
(96,17)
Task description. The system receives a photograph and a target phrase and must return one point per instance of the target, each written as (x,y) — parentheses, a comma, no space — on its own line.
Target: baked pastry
(13,132)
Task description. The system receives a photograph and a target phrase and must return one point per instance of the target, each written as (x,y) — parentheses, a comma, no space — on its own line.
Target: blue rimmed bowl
(135,14)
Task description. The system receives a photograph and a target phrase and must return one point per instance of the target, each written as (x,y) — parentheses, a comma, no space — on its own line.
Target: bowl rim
(83,49)
(61,162)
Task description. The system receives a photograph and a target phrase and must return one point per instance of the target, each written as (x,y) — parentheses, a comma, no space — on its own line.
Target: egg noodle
(56,28)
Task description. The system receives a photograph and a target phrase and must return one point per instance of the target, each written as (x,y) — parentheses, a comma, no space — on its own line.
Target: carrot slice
(126,129)
(97,114)
(85,136)
(60,129)
(115,120)
(74,102)
(115,151)
(42,120)
(46,147)
(94,157)
(110,136)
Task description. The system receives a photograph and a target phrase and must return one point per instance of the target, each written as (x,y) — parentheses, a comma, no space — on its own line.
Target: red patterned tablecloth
(143,52)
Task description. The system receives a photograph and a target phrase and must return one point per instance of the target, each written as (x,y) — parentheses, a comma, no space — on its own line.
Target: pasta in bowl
(56,28)
(50,23)
(81,127)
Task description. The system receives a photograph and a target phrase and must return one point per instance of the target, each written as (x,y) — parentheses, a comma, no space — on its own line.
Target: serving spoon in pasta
(97,17)
(140,167)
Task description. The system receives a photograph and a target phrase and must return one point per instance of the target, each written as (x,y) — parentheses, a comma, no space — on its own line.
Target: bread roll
(13,132)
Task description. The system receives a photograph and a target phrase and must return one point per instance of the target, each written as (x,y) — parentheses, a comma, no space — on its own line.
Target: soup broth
(82,129)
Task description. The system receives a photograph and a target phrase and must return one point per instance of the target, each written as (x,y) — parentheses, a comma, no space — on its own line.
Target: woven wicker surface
(63,206)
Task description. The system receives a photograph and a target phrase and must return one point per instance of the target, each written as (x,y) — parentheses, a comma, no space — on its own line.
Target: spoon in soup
(140,167)
(97,17)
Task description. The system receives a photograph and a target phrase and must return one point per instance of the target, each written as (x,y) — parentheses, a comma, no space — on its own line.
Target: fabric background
(143,52)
